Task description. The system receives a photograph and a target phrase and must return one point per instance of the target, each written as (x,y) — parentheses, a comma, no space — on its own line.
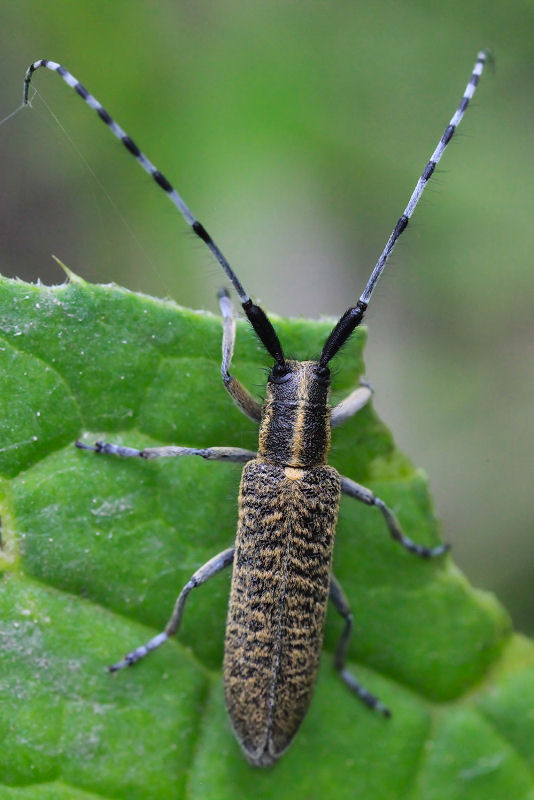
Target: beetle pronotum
(288,500)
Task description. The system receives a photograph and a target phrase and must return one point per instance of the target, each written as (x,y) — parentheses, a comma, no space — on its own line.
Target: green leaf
(95,550)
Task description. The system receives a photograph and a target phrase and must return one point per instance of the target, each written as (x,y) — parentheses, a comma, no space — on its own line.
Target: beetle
(288,498)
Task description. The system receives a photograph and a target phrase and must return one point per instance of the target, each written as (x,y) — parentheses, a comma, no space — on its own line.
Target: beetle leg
(239,393)
(234,454)
(351,404)
(366,496)
(342,605)
(210,568)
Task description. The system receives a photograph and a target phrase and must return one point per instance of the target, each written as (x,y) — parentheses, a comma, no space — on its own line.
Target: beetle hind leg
(342,606)
(210,568)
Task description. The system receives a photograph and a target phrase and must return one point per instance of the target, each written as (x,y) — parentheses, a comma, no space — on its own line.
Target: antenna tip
(486,57)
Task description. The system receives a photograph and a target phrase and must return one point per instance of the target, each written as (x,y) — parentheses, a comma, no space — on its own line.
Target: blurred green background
(296,132)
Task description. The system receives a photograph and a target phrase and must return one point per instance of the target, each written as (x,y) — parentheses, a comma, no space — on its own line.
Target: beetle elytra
(288,500)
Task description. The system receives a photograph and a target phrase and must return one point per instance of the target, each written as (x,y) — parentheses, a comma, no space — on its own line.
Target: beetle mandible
(288,499)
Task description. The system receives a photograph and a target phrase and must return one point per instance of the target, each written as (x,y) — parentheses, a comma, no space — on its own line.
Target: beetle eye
(280,373)
(323,374)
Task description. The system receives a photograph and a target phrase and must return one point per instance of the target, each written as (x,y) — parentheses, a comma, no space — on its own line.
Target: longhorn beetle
(288,499)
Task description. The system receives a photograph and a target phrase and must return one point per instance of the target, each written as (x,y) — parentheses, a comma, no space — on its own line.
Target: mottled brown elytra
(288,501)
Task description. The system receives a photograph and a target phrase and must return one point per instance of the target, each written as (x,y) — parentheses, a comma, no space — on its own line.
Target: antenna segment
(147,165)
(353,316)
(255,314)
(403,220)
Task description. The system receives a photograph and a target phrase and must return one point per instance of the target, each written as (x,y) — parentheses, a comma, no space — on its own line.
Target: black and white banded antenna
(259,320)
(354,315)
(257,317)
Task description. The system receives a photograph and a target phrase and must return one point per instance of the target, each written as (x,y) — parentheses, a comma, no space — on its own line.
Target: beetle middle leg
(234,454)
(342,605)
(353,489)
(210,568)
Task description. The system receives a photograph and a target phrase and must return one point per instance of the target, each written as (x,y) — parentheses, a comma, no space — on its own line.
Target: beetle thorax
(295,426)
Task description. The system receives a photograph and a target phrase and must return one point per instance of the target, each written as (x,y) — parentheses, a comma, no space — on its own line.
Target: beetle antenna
(354,315)
(255,314)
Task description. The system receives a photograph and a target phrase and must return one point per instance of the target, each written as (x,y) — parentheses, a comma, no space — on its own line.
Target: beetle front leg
(366,496)
(239,393)
(351,404)
(210,568)
(342,605)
